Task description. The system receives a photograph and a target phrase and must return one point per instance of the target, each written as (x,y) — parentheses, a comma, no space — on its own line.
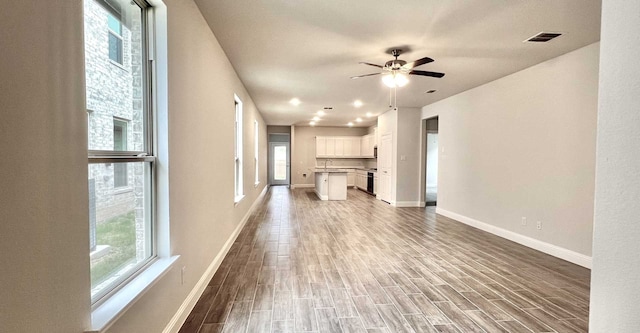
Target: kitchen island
(331,184)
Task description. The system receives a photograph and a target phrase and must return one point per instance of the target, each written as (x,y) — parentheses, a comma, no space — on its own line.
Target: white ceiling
(309,49)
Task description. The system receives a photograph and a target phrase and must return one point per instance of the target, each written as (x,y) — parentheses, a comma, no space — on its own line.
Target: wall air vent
(429,91)
(328,108)
(542,37)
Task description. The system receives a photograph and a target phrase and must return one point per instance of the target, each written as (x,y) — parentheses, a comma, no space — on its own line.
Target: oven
(370,177)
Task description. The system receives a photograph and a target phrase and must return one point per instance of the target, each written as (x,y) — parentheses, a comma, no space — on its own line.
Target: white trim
(408,203)
(303,186)
(110,310)
(320,196)
(190,302)
(554,250)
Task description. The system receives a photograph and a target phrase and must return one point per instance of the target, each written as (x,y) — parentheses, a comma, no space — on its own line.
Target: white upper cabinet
(345,146)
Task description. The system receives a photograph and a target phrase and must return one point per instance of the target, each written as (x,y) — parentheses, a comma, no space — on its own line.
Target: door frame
(270,168)
(423,157)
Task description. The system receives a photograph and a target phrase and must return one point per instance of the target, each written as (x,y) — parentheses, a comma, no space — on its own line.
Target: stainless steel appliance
(370,177)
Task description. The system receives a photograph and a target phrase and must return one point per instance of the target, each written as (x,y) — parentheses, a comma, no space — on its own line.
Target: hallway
(304,265)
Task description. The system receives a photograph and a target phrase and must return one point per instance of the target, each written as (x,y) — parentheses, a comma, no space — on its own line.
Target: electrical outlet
(524,220)
(539,225)
(182,271)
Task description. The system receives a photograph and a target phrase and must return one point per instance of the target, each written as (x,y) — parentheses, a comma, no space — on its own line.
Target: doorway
(431,186)
(279,166)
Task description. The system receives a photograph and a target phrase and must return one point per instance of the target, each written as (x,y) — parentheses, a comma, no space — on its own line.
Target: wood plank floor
(304,265)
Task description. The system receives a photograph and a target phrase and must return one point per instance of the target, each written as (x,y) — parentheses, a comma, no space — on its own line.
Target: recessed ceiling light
(295,101)
(357,103)
(312,123)
(359,120)
(321,113)
(350,124)
(316,118)
(369,114)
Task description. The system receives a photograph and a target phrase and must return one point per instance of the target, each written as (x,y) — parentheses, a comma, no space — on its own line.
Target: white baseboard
(408,204)
(550,249)
(322,197)
(190,302)
(303,186)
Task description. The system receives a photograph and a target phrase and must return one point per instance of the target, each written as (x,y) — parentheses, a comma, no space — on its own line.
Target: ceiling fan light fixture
(395,80)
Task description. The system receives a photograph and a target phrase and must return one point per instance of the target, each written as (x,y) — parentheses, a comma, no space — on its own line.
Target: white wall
(44,232)
(408,158)
(524,146)
(404,126)
(615,282)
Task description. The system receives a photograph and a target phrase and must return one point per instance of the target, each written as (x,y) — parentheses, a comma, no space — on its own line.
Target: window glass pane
(114,24)
(115,90)
(119,223)
(115,48)
(280,162)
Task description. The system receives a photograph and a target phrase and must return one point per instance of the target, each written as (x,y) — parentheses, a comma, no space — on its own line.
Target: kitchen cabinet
(338,147)
(321,146)
(367,143)
(351,178)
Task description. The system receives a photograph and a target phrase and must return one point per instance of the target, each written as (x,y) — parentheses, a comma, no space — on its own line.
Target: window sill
(110,310)
(237,199)
(117,64)
(123,189)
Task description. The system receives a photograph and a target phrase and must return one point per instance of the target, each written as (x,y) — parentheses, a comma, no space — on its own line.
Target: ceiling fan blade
(370,64)
(425,73)
(417,63)
(359,76)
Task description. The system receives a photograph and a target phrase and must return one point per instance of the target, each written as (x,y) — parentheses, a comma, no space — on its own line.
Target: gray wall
(524,146)
(44,229)
(615,291)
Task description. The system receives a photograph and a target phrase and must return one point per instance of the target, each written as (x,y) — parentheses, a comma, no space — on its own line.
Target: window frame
(147,155)
(256,142)
(125,169)
(238,150)
(120,39)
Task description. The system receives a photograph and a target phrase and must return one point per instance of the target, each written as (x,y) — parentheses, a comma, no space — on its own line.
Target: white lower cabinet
(351,178)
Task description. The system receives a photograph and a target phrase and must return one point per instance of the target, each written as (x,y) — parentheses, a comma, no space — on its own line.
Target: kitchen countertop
(330,170)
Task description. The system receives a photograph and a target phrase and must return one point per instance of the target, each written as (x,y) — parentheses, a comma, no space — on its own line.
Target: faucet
(325,163)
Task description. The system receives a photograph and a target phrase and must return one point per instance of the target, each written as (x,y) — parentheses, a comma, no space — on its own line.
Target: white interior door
(385,166)
(280,166)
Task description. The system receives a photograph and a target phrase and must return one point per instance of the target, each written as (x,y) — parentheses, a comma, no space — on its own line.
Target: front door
(279,160)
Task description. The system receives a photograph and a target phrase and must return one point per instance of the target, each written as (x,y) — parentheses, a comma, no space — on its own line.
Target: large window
(121,153)
(239,193)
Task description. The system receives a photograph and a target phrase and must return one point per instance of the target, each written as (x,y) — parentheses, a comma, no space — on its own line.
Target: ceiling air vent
(542,37)
(328,108)
(429,91)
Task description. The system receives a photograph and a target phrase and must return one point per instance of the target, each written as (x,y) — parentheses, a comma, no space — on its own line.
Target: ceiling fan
(395,71)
